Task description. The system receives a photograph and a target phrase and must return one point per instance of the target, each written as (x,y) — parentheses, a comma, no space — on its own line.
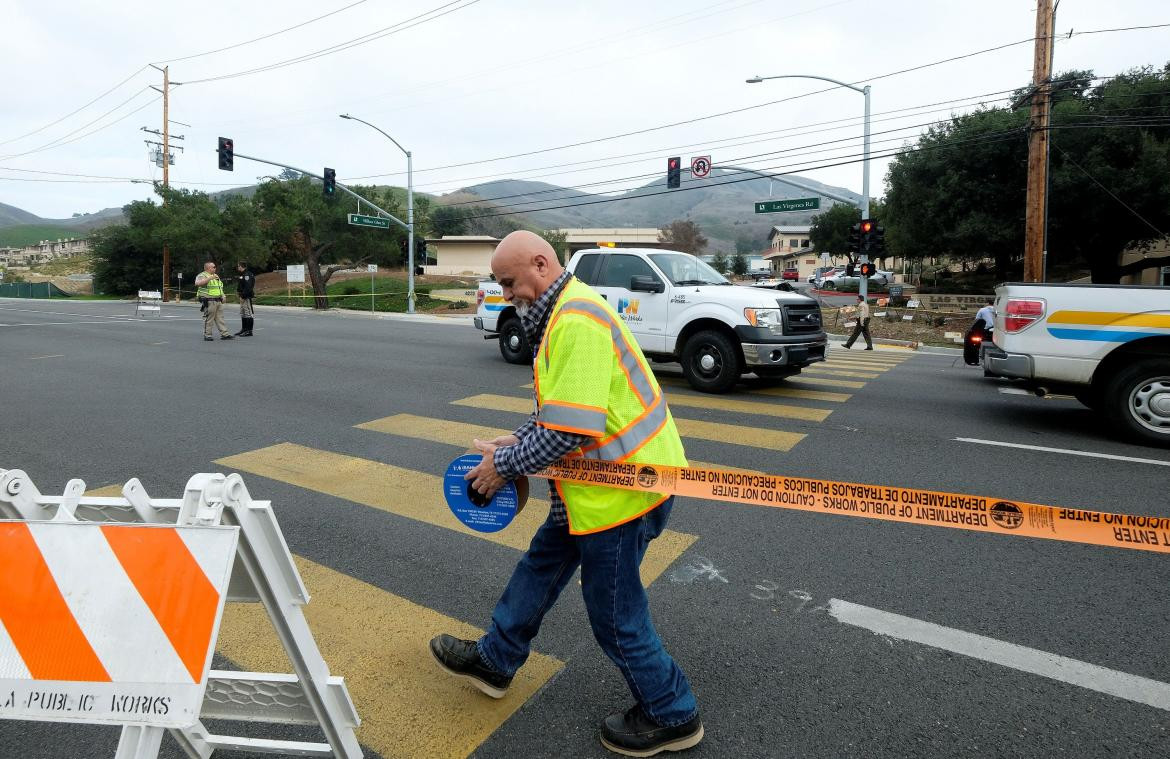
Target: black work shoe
(208,338)
(634,734)
(226,337)
(461,658)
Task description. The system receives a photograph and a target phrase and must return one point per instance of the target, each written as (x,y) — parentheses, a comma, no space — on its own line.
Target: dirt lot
(927,327)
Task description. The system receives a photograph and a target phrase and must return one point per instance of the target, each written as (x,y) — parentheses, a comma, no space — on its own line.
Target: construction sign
(110,623)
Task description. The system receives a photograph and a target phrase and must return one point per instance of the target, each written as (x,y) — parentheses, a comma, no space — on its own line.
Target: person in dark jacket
(246,289)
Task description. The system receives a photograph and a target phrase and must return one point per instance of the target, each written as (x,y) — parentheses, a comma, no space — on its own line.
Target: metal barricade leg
(139,742)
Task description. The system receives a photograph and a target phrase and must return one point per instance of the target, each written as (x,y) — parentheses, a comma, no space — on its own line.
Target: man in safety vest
(211,300)
(595,397)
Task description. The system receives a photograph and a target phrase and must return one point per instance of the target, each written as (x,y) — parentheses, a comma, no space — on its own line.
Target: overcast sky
(492,78)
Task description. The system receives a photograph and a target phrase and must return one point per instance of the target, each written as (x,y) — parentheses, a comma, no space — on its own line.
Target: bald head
(526,266)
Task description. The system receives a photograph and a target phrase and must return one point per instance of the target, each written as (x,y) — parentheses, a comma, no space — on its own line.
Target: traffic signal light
(867,227)
(849,269)
(867,269)
(879,241)
(673,173)
(854,238)
(227,154)
(330,185)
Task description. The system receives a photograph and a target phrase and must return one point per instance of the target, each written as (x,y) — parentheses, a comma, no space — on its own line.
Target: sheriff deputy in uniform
(862,327)
(211,298)
(596,397)
(246,289)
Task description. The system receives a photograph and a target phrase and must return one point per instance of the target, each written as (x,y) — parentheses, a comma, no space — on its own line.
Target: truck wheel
(710,362)
(514,343)
(1137,401)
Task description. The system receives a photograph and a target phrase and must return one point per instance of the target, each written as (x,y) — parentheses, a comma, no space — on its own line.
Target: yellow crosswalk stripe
(856,360)
(461,434)
(819,369)
(802,380)
(778,392)
(413,495)
(760,408)
(778,440)
(377,641)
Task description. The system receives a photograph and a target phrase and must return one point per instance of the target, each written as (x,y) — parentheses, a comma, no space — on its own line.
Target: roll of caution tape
(471,508)
(967,512)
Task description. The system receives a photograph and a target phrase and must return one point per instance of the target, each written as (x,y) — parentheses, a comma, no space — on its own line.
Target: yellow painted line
(777,392)
(777,440)
(460,434)
(760,408)
(818,369)
(801,379)
(866,362)
(413,495)
(109,491)
(377,641)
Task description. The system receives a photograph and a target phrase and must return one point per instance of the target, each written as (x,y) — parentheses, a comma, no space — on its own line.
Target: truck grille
(801,318)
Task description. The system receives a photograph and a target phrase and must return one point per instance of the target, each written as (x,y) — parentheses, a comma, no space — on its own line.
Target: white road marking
(38,358)
(1045,449)
(63,313)
(89,324)
(1135,688)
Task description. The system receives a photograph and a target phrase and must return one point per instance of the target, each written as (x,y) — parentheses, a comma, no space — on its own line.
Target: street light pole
(863,287)
(409,213)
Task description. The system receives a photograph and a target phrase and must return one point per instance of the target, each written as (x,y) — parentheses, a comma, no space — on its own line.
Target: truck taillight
(478,298)
(1021,313)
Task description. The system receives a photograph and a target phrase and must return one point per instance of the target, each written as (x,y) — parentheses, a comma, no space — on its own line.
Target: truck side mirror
(646,284)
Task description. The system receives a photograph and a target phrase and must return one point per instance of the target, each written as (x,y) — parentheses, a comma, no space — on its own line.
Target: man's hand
(484,477)
(505,440)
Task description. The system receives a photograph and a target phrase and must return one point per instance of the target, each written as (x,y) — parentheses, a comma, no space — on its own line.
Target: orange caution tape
(964,512)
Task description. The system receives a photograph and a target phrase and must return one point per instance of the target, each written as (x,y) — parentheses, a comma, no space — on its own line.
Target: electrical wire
(52,146)
(401,26)
(61,139)
(264,37)
(78,110)
(1109,192)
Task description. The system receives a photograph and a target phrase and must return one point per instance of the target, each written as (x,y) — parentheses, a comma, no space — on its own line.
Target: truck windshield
(685,269)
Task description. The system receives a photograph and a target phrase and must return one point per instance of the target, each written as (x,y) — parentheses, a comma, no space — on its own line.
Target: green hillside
(19,235)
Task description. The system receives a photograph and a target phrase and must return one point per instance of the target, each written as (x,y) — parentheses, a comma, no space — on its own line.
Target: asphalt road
(804,635)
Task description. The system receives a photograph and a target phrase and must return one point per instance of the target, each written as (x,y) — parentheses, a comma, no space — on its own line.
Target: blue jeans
(615,600)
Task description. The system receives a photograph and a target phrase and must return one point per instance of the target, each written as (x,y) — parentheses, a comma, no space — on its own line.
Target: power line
(57,144)
(78,110)
(401,26)
(1107,190)
(980,99)
(263,37)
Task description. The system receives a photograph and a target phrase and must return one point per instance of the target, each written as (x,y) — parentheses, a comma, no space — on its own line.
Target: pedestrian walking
(246,289)
(595,397)
(862,326)
(210,295)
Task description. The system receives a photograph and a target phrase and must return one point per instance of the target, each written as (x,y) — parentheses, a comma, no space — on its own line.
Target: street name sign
(358,220)
(790,204)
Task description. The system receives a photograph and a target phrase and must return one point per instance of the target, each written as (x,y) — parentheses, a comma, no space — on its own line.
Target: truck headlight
(765,317)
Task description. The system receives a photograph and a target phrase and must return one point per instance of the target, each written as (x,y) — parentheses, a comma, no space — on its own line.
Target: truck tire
(1137,401)
(514,343)
(710,362)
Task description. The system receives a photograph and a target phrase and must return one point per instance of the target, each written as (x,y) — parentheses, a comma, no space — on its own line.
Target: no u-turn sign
(701,167)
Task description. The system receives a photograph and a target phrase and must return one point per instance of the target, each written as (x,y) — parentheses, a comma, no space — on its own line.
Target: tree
(448,220)
(128,257)
(739,265)
(829,232)
(556,239)
(685,236)
(960,191)
(302,226)
(720,263)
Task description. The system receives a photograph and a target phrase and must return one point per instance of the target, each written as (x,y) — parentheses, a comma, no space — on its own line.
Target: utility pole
(166,165)
(1035,211)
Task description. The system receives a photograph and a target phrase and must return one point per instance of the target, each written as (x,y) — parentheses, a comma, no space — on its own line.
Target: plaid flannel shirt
(539,446)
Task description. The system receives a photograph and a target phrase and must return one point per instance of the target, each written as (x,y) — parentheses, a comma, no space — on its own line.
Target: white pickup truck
(1109,345)
(680,309)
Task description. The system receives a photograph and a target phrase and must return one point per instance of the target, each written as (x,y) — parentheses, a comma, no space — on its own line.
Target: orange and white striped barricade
(262,571)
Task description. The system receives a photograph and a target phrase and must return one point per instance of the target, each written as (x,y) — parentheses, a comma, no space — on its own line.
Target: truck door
(644,313)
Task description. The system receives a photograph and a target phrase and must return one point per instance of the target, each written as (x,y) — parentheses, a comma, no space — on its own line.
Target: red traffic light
(866,226)
(673,163)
